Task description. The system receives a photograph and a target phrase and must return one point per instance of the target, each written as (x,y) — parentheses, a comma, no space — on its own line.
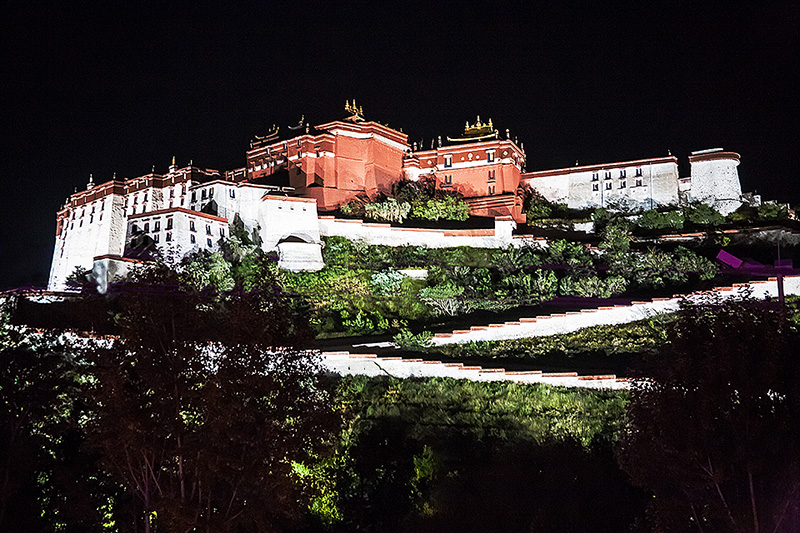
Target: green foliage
(700,214)
(653,219)
(387,282)
(539,209)
(444,299)
(415,342)
(743,215)
(389,210)
(600,342)
(770,211)
(504,410)
(447,208)
(206,269)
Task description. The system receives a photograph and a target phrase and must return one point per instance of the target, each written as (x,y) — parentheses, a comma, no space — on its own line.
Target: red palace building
(341,160)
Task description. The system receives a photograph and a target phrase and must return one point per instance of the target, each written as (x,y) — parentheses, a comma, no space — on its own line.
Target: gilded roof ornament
(476,132)
(356,112)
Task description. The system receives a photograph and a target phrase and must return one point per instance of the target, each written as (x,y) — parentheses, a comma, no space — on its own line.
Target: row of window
(623,173)
(448,159)
(609,186)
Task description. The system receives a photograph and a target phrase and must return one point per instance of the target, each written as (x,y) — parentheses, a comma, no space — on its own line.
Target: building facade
(289,177)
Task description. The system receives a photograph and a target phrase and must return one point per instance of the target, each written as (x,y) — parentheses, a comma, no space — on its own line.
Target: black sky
(119,87)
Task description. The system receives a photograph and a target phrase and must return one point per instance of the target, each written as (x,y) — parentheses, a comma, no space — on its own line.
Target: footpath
(346,363)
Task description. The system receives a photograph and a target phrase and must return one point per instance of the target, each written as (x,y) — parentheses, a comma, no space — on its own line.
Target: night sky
(122,87)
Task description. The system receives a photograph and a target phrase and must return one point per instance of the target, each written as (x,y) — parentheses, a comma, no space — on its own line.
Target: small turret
(91,182)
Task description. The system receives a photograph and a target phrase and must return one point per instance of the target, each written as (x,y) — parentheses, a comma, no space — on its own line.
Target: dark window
(169,223)
(156,237)
(194,196)
(490,156)
(639,171)
(491,175)
(157,225)
(448,161)
(622,173)
(608,174)
(608,186)
(144,198)
(208,229)
(621,184)
(232,193)
(221,232)
(211,192)
(134,228)
(491,189)
(191,226)
(209,242)
(638,183)
(147,227)
(169,236)
(172,193)
(595,176)
(91,219)
(448,180)
(595,187)
(204,194)
(191,238)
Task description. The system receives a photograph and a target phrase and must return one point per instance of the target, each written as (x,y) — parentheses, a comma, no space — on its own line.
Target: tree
(202,404)
(46,482)
(713,427)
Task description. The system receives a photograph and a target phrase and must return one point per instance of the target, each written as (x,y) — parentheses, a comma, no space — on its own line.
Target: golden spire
(356,113)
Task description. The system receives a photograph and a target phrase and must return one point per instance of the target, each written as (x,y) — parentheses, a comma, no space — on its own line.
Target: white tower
(715,180)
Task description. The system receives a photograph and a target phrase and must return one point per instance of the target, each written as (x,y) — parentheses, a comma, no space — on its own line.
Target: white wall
(86,236)
(374,233)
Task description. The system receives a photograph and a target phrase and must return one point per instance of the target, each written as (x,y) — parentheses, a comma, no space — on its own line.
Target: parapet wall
(500,236)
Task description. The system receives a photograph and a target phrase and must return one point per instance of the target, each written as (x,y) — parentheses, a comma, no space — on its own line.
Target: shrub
(414,342)
(702,215)
(388,211)
(387,282)
(652,219)
(773,211)
(447,208)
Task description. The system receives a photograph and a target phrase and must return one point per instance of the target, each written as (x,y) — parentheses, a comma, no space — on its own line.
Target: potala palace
(294,175)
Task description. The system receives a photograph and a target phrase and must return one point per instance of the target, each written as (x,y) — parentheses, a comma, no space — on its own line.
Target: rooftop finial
(356,113)
(91,182)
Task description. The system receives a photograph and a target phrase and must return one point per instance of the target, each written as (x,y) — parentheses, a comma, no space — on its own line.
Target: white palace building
(277,194)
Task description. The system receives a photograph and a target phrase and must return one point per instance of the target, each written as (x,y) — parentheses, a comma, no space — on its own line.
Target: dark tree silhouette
(201,405)
(713,430)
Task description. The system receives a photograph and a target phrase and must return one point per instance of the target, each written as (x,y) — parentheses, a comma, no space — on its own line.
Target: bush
(702,215)
(653,219)
(772,211)
(388,211)
(447,208)
(414,342)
